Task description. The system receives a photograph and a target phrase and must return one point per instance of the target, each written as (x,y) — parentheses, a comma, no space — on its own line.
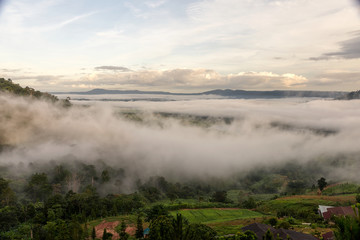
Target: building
(260,230)
(327,212)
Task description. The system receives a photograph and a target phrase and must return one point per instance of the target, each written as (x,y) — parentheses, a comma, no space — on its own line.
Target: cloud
(40,132)
(10,70)
(335,78)
(190,79)
(155,4)
(113,68)
(349,49)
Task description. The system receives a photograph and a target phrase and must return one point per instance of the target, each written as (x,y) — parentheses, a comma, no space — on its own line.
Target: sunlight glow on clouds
(297,40)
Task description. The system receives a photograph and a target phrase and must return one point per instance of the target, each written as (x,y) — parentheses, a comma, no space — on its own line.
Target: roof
(338,211)
(323,209)
(328,236)
(146,231)
(260,229)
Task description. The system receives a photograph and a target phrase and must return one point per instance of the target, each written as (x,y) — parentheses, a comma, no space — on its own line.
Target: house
(337,211)
(329,236)
(260,230)
(323,209)
(146,232)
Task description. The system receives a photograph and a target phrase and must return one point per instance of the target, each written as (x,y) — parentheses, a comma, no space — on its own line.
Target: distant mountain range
(240,94)
(350,96)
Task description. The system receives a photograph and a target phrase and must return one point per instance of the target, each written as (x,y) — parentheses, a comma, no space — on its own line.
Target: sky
(181,45)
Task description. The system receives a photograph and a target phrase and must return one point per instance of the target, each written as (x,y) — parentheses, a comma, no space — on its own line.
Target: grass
(340,189)
(191,204)
(303,206)
(215,215)
(129,219)
(234,196)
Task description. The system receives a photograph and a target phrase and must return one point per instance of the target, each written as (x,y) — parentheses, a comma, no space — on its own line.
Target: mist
(186,139)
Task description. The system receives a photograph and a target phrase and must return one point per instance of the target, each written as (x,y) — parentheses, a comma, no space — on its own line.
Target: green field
(233,195)
(341,189)
(216,215)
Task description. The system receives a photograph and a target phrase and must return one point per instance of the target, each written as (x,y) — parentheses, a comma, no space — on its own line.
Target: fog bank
(180,145)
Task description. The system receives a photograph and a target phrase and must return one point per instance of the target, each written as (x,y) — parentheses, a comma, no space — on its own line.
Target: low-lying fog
(201,137)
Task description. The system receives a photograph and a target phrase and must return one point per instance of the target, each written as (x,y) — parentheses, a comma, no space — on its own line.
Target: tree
(38,188)
(358,198)
(106,235)
(273,221)
(105,176)
(322,183)
(121,230)
(348,227)
(179,223)
(139,228)
(249,203)
(200,231)
(268,235)
(161,228)
(247,235)
(156,211)
(219,196)
(7,196)
(93,234)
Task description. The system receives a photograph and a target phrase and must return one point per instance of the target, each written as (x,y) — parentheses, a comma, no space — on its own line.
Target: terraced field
(214,215)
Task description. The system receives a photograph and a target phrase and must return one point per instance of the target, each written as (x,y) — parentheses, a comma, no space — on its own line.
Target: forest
(70,197)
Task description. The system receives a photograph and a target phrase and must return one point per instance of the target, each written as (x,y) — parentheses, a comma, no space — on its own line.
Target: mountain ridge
(224,92)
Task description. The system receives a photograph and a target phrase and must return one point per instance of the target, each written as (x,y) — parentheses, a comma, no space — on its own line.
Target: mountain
(240,94)
(274,94)
(99,91)
(8,86)
(350,96)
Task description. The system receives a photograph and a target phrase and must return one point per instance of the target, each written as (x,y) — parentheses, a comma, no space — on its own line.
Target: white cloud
(190,80)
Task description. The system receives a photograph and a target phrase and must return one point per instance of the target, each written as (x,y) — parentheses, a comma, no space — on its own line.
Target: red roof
(328,236)
(338,211)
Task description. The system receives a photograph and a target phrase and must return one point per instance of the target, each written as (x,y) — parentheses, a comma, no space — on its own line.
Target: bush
(273,221)
(285,225)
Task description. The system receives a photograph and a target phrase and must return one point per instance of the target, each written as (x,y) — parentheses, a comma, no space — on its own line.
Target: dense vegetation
(10,87)
(67,199)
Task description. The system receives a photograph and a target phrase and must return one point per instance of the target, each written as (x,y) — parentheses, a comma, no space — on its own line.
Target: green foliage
(161,228)
(121,230)
(296,187)
(168,227)
(247,235)
(268,235)
(249,203)
(295,207)
(344,188)
(358,198)
(38,188)
(139,228)
(216,215)
(273,221)
(106,235)
(10,87)
(197,231)
(284,225)
(322,183)
(219,196)
(93,233)
(155,212)
(7,196)
(8,218)
(347,228)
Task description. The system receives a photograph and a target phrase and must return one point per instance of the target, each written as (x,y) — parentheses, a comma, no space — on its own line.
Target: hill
(8,86)
(274,94)
(350,96)
(240,94)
